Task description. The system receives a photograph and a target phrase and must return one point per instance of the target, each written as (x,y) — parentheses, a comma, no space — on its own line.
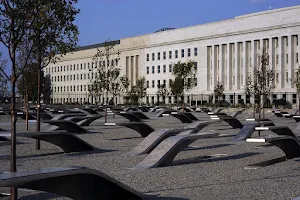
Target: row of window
(72,77)
(170,56)
(82,66)
(164,83)
(165,68)
(71,88)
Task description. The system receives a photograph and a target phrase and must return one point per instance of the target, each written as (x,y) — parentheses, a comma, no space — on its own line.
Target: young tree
(297,85)
(16,18)
(141,89)
(162,91)
(107,76)
(27,85)
(219,90)
(53,33)
(184,73)
(262,83)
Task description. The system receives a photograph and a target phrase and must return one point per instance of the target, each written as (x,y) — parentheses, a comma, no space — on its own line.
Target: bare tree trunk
(13,162)
(106,100)
(38,107)
(26,109)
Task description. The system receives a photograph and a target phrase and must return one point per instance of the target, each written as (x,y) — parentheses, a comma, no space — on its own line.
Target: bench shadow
(50,196)
(191,148)
(208,159)
(96,151)
(127,138)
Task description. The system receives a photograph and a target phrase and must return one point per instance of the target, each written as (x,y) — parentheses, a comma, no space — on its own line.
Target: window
(153,56)
(195,81)
(276,42)
(147,56)
(170,54)
(84,88)
(147,84)
(153,69)
(277,59)
(296,57)
(158,83)
(164,68)
(277,77)
(158,56)
(233,80)
(153,84)
(176,53)
(81,88)
(84,76)
(287,58)
(170,67)
(164,83)
(189,52)
(158,69)
(165,55)
(147,70)
(195,51)
(182,53)
(80,76)
(287,76)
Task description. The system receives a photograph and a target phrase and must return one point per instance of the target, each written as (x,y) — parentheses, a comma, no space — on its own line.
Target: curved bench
(75,183)
(139,114)
(130,117)
(156,137)
(66,141)
(69,126)
(182,118)
(140,127)
(165,152)
(191,116)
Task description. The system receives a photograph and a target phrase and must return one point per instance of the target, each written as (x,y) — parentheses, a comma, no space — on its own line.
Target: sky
(100,20)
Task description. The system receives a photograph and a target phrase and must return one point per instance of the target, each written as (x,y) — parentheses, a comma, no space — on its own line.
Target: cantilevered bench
(248,129)
(288,144)
(142,128)
(75,183)
(139,114)
(64,116)
(191,116)
(68,142)
(165,112)
(69,126)
(156,137)
(131,117)
(84,120)
(183,118)
(166,151)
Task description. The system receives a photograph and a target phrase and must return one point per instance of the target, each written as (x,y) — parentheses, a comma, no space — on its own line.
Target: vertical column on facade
(136,67)
(291,60)
(237,66)
(132,66)
(245,64)
(272,61)
(280,62)
(221,65)
(208,67)
(213,64)
(228,67)
(253,55)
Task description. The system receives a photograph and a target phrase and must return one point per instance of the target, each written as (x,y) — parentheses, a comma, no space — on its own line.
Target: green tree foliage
(162,91)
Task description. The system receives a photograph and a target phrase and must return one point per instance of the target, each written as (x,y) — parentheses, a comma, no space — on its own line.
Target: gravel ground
(192,175)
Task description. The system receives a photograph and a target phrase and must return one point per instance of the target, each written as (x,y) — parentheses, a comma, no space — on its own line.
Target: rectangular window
(287,58)
(158,56)
(277,77)
(276,42)
(153,69)
(158,69)
(195,81)
(170,67)
(158,83)
(182,53)
(287,76)
(195,51)
(147,70)
(165,55)
(297,58)
(170,54)
(176,53)
(147,84)
(189,52)
(153,56)
(164,83)
(153,84)
(277,59)
(147,56)
(164,68)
